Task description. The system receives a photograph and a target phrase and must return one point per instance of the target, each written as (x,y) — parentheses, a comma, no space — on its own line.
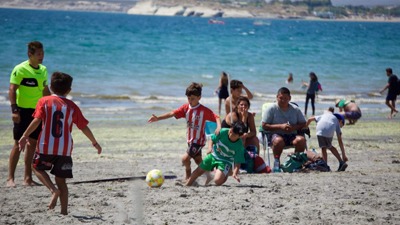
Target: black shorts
(26,119)
(60,166)
(194,149)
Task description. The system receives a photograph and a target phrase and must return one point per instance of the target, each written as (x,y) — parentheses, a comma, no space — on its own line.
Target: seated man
(283,120)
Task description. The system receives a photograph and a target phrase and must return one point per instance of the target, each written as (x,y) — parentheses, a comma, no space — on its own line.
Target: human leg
(45,179)
(29,152)
(313,104)
(186,164)
(220,178)
(12,164)
(306,104)
(335,153)
(63,192)
(198,159)
(324,154)
(277,145)
(196,173)
(299,143)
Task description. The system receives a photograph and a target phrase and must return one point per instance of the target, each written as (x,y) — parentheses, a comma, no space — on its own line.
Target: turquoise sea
(138,65)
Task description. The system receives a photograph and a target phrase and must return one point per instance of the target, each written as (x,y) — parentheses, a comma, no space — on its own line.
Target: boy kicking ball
(54,146)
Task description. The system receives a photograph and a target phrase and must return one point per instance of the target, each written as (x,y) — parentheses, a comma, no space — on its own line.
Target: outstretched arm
(344,157)
(86,130)
(155,118)
(384,88)
(312,118)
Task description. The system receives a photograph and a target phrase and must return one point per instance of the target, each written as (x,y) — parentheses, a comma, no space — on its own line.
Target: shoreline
(202,11)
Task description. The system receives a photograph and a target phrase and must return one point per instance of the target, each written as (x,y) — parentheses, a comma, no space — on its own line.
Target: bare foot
(54,198)
(30,183)
(394,114)
(11,183)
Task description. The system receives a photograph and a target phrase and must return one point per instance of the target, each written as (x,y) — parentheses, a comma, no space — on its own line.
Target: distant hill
(298,9)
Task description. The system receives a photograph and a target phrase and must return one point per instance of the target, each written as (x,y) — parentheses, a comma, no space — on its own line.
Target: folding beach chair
(210,128)
(266,136)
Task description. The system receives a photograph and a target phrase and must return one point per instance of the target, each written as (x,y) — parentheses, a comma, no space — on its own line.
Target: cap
(339,117)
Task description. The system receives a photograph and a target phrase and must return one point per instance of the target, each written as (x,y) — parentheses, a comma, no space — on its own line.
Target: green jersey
(226,150)
(31,84)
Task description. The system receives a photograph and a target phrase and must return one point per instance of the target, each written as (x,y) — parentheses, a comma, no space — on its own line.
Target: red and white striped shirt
(58,114)
(196,119)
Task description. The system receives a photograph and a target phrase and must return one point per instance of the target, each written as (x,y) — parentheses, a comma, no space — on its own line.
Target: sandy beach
(366,193)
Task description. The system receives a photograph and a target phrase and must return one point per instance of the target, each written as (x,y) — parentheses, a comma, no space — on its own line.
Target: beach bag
(250,154)
(260,166)
(294,162)
(318,165)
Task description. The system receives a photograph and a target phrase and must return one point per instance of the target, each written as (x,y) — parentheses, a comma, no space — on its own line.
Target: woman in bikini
(241,112)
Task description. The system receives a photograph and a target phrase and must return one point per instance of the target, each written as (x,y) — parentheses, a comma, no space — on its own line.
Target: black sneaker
(342,166)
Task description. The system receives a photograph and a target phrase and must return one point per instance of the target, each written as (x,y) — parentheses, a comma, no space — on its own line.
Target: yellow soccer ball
(155,178)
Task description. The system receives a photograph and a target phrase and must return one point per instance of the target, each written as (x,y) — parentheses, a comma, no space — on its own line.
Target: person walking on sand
(313,88)
(28,83)
(222,90)
(196,116)
(391,96)
(54,149)
(227,153)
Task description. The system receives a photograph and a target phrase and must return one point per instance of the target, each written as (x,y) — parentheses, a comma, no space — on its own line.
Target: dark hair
(236,84)
(389,70)
(284,90)
(194,89)
(224,78)
(61,83)
(238,127)
(313,76)
(33,46)
(242,98)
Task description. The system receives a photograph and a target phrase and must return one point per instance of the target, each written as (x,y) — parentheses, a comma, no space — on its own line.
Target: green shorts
(209,163)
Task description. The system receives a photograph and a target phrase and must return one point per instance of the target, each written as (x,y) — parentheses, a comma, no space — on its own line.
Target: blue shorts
(353,115)
(60,166)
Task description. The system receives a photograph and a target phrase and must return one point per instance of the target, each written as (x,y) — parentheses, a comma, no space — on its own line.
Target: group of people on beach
(43,123)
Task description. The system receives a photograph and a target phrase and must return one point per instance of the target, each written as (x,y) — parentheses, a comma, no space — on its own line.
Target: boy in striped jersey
(54,146)
(196,115)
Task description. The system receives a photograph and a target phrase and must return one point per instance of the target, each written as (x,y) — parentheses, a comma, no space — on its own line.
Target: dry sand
(366,193)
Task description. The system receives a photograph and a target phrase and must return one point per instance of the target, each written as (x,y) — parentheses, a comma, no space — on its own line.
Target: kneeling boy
(227,150)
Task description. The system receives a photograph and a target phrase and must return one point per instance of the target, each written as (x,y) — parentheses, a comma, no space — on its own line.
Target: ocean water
(138,65)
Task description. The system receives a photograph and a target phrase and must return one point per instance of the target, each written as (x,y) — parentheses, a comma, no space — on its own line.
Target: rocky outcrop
(149,8)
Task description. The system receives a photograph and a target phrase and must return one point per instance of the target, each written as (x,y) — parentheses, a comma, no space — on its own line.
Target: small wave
(208,76)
